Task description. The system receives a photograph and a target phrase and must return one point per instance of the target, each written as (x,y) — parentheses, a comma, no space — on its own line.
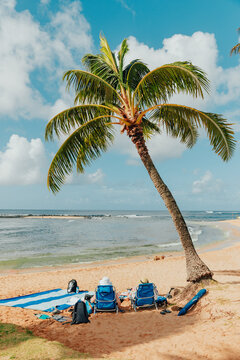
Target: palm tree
(236,48)
(110,93)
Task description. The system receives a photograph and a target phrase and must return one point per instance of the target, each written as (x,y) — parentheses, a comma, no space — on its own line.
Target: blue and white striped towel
(45,300)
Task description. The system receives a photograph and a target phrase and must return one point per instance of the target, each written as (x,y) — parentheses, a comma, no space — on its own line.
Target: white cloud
(96,177)
(64,102)
(71,32)
(227,85)
(22,162)
(161,147)
(125,5)
(201,49)
(82,179)
(202,183)
(26,47)
(8,4)
(44,2)
(234,115)
(206,183)
(178,47)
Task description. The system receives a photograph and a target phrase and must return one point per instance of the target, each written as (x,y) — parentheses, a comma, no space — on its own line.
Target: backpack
(80,314)
(161,300)
(72,286)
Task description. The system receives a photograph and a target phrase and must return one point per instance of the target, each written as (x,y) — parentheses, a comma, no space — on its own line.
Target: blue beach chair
(105,299)
(144,296)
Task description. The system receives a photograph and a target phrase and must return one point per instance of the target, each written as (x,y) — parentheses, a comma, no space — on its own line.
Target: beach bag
(80,314)
(72,286)
(89,306)
(161,300)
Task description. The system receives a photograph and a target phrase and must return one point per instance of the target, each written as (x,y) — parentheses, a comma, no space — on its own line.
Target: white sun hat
(105,281)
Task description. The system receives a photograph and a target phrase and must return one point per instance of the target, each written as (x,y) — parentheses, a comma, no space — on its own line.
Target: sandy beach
(211,330)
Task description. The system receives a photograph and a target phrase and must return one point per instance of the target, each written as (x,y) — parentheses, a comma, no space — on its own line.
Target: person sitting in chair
(132,292)
(106,281)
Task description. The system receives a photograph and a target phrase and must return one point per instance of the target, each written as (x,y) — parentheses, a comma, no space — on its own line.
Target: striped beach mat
(45,300)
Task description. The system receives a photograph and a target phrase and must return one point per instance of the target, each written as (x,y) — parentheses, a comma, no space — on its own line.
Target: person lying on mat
(106,281)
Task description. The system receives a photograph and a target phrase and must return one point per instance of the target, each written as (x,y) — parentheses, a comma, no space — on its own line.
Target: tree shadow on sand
(226,354)
(109,333)
(228,273)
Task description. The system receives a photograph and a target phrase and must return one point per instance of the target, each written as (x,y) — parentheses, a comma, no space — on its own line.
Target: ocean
(99,235)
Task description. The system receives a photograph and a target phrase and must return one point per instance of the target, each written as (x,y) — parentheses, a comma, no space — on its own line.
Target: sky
(43,38)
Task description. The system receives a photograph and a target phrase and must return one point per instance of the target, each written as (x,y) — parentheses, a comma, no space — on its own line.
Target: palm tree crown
(111,92)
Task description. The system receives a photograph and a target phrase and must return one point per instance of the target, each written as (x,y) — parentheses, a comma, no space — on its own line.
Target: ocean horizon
(96,235)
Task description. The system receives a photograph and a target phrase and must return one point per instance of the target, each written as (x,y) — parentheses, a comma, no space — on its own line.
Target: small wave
(209,212)
(194,233)
(134,216)
(169,244)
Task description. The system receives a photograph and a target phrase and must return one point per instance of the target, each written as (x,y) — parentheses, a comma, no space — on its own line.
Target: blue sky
(43,38)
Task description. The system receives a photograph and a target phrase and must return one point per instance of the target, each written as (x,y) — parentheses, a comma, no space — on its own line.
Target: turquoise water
(100,235)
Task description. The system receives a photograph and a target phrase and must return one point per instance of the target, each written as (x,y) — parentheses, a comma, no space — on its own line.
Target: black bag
(80,314)
(72,286)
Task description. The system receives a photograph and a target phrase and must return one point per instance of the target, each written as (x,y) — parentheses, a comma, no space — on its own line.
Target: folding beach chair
(105,299)
(144,296)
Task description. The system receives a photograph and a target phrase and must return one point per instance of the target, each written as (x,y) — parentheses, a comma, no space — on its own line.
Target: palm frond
(218,130)
(90,88)
(74,117)
(220,134)
(121,54)
(176,124)
(82,147)
(134,72)
(235,49)
(163,82)
(108,55)
(96,64)
(149,128)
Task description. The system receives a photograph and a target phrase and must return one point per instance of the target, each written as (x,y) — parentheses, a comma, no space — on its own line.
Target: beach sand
(211,330)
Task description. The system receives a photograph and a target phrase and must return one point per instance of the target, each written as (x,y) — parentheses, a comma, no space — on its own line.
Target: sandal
(163,312)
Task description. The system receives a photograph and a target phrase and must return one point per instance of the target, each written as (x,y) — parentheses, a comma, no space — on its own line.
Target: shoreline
(116,261)
(215,246)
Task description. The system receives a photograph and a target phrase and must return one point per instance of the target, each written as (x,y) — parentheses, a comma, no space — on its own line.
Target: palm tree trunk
(196,269)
